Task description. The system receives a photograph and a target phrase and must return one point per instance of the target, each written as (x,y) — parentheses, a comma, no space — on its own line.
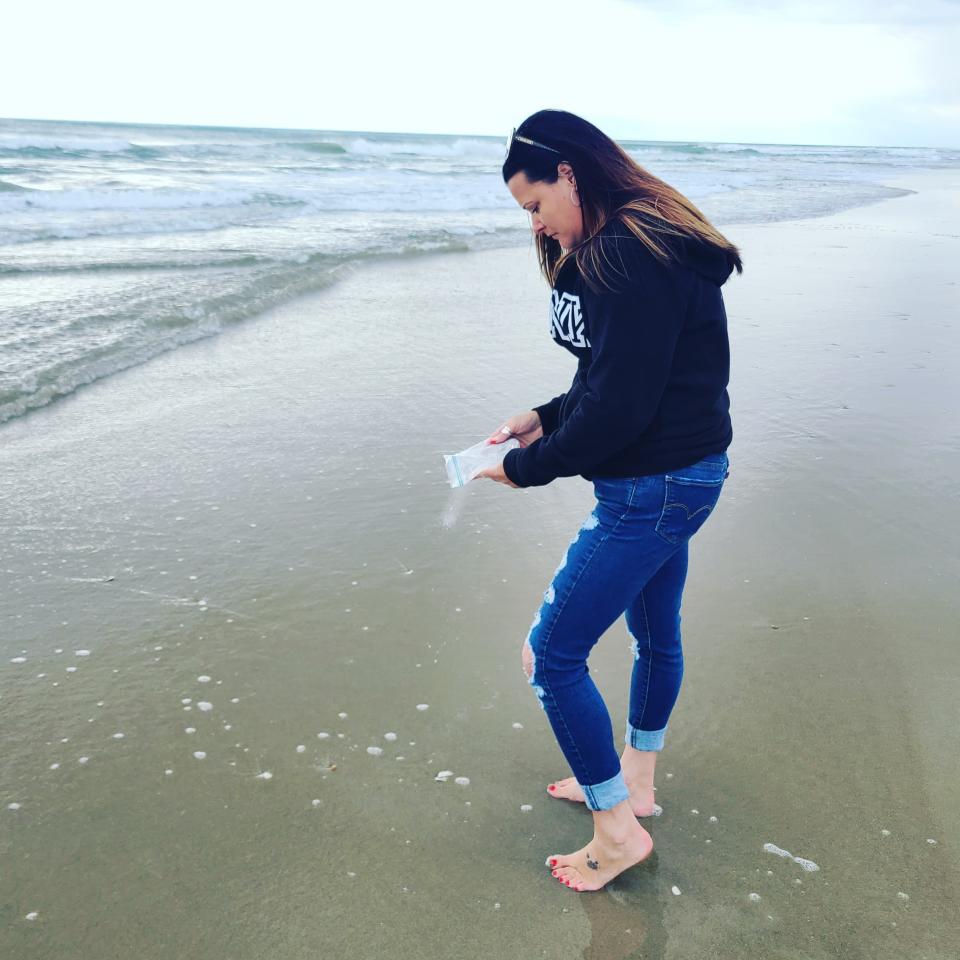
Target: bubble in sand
(713,819)
(517,726)
(83,760)
(423,706)
(19,660)
(754,897)
(444,775)
(375,751)
(902,895)
(13,806)
(675,890)
(168,772)
(930,840)
(390,736)
(695,812)
(463,781)
(323,735)
(301,748)
(204,706)
(342,716)
(266,775)
(884,833)
(186,700)
(657,809)
(32,915)
(526,807)
(54,766)
(118,736)
(190,730)
(234,699)
(82,653)
(200,754)
(316,803)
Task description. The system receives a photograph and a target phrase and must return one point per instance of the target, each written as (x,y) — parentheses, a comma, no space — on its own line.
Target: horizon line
(492,136)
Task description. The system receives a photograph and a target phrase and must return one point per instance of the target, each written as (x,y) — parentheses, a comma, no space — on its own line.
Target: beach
(247,546)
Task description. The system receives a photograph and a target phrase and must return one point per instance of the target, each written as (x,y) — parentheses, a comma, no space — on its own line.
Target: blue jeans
(630,556)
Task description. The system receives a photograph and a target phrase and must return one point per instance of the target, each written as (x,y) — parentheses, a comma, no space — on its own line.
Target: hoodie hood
(707,260)
(620,245)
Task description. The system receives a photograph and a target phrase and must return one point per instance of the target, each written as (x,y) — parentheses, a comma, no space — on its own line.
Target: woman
(635,271)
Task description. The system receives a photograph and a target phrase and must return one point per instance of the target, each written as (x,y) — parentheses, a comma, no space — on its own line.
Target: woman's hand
(497,473)
(524,426)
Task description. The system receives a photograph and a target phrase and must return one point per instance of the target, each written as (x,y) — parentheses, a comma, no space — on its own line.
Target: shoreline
(922,180)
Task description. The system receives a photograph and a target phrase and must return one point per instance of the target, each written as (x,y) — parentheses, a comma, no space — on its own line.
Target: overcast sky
(839,72)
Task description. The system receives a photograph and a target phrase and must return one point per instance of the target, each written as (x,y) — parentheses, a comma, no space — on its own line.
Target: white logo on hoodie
(566,321)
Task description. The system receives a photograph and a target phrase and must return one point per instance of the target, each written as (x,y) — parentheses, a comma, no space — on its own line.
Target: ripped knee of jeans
(529,660)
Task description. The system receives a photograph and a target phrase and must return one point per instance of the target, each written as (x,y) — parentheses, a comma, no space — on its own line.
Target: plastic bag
(462,467)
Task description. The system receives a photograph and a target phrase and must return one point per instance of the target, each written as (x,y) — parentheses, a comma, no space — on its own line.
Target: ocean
(119,242)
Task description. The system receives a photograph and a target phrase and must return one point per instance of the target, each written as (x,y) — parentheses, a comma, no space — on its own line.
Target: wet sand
(253,535)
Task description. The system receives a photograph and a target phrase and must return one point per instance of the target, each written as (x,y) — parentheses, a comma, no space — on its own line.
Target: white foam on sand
(423,706)
(807,865)
(375,751)
(204,706)
(463,781)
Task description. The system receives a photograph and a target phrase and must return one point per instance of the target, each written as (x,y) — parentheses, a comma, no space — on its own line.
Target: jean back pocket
(691,494)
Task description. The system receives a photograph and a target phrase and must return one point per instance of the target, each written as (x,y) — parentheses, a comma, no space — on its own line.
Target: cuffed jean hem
(603,796)
(644,739)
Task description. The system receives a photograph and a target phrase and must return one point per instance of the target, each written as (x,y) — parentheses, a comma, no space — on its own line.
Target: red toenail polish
(552,787)
(553,862)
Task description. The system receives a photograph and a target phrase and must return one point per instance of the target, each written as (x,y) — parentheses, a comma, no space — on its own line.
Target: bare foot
(594,866)
(642,801)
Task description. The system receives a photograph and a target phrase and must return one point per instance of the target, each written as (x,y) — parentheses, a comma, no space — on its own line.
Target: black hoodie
(653,361)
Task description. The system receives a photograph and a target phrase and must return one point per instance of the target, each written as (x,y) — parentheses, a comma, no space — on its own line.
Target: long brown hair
(612,187)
